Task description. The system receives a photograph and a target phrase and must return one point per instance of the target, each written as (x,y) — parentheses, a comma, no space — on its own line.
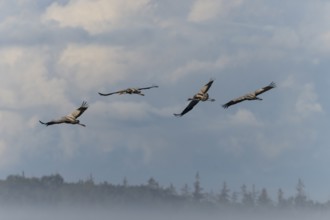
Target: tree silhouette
(152,183)
(281,202)
(185,191)
(300,198)
(53,190)
(197,194)
(224,195)
(247,197)
(264,200)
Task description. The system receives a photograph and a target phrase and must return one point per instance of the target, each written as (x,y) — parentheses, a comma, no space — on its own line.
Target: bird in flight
(70,118)
(129,91)
(250,96)
(202,95)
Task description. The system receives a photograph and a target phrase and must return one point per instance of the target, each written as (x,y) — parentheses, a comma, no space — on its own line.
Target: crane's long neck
(197,99)
(78,123)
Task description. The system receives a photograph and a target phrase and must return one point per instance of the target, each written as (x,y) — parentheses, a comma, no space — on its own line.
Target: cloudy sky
(56,53)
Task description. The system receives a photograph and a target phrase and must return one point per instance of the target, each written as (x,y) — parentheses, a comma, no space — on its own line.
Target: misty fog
(51,197)
(74,213)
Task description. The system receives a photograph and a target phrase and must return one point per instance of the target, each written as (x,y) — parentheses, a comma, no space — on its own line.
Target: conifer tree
(300,198)
(197,194)
(224,195)
(263,199)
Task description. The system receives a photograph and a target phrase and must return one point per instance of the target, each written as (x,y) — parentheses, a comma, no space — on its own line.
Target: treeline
(53,191)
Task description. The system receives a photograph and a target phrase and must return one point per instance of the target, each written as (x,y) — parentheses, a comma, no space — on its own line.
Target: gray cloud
(55,54)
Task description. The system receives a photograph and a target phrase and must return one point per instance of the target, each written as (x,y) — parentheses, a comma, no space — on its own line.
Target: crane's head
(78,123)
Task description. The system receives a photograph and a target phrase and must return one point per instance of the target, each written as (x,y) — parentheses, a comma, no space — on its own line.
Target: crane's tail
(177,115)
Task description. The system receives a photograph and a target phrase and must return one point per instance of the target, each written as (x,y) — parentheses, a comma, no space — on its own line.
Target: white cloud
(93,67)
(307,103)
(286,38)
(272,148)
(98,16)
(128,110)
(303,100)
(28,78)
(12,56)
(204,10)
(244,117)
(193,67)
(197,67)
(15,134)
(322,42)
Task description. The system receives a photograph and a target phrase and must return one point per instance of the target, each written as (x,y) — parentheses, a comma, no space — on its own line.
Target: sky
(55,54)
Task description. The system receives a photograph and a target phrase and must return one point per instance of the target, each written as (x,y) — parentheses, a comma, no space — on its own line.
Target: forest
(53,191)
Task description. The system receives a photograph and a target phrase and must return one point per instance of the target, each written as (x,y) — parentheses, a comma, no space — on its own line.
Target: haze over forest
(53,190)
(51,196)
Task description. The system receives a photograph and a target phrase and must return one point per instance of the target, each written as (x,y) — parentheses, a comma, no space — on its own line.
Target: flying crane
(202,95)
(250,96)
(129,91)
(70,118)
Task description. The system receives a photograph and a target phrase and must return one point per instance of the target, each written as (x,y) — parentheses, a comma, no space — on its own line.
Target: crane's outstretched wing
(47,123)
(190,106)
(106,94)
(111,93)
(206,87)
(52,122)
(234,101)
(79,111)
(265,89)
(148,87)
